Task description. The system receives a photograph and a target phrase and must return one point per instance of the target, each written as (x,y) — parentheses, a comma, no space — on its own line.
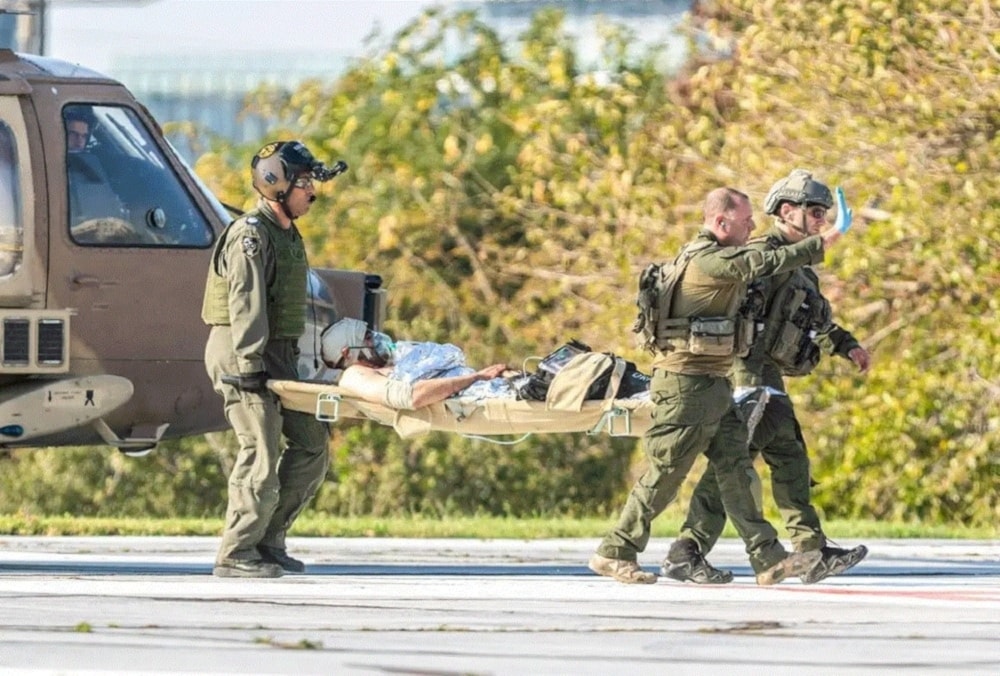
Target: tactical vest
(286,292)
(797,312)
(723,335)
(659,331)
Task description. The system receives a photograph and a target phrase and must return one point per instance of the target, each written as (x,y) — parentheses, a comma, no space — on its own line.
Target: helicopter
(105,238)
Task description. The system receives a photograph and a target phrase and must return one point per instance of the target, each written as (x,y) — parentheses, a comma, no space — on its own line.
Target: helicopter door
(134,250)
(21,280)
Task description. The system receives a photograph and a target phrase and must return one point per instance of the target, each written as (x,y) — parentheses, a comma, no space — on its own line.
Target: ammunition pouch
(745,335)
(792,347)
(794,350)
(712,336)
(672,334)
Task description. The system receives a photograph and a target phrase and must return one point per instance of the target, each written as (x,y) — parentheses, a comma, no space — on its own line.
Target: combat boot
(685,563)
(627,572)
(792,565)
(834,561)
(235,568)
(281,558)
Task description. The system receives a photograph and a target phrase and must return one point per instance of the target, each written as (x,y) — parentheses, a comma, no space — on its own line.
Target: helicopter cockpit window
(122,191)
(11,227)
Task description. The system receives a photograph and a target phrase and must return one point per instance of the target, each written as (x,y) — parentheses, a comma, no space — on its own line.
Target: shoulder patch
(251,246)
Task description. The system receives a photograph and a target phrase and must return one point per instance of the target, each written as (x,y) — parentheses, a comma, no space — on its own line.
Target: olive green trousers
(691,411)
(271,482)
(778,438)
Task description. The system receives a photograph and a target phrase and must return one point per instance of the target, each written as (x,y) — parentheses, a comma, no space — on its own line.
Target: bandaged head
(360,343)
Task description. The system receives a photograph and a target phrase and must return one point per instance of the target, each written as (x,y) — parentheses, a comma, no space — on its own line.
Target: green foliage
(898,103)
(509,199)
(312,524)
(186,477)
(446,475)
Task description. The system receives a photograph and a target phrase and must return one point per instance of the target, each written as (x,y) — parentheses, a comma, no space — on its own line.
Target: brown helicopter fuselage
(104,250)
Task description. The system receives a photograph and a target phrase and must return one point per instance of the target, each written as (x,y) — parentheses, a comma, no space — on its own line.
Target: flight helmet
(799,188)
(277,165)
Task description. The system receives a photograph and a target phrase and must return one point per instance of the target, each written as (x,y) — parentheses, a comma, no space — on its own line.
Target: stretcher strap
(494,440)
(608,421)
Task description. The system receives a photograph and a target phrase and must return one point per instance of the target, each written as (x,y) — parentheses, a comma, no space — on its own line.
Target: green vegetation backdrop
(509,198)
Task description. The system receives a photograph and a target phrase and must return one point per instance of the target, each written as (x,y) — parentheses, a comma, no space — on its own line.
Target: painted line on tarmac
(985,594)
(84,567)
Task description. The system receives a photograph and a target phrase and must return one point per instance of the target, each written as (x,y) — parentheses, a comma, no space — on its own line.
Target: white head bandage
(347,332)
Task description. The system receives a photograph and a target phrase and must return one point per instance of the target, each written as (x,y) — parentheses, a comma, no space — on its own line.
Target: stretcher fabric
(473,417)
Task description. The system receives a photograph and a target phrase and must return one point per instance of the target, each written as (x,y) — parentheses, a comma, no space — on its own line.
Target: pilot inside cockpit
(95,210)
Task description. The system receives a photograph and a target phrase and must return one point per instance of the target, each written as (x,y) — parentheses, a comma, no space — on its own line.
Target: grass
(478,527)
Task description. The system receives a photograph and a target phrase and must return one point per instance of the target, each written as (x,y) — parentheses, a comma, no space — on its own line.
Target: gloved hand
(248,382)
(844,214)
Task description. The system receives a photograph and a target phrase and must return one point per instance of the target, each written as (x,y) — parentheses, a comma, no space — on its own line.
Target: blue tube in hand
(844,213)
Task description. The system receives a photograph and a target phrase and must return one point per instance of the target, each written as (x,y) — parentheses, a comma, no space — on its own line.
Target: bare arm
(427,392)
(830,237)
(364,382)
(370,384)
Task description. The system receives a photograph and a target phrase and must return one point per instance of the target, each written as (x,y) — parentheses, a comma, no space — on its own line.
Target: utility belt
(721,336)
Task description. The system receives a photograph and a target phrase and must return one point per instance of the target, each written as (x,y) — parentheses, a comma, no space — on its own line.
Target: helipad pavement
(399,606)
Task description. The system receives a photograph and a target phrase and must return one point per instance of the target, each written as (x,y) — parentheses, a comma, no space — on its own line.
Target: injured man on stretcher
(422,387)
(404,375)
(409,375)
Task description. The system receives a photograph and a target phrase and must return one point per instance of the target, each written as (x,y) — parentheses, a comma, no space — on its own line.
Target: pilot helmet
(362,343)
(799,188)
(276,166)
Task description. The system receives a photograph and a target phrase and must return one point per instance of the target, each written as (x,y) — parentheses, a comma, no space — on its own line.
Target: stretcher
(472,417)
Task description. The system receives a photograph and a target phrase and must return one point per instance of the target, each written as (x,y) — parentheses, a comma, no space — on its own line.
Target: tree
(509,198)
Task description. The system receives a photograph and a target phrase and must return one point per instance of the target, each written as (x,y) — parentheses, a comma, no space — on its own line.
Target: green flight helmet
(799,188)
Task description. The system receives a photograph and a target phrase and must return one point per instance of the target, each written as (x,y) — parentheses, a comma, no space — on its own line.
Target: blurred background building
(195,61)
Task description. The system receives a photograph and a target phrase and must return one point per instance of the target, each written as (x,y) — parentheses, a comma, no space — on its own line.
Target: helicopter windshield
(122,191)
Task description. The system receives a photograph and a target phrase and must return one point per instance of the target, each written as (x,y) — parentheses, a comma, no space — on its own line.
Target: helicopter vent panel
(16,342)
(51,341)
(34,341)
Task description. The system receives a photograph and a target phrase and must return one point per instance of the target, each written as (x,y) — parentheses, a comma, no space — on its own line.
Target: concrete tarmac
(99,605)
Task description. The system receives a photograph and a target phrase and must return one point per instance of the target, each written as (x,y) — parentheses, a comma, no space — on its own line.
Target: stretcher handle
(324,401)
(608,421)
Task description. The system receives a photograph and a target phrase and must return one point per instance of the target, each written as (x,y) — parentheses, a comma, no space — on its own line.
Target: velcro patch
(251,246)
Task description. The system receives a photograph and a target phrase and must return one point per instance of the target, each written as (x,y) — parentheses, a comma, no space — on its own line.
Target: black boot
(685,563)
(834,561)
(281,558)
(234,568)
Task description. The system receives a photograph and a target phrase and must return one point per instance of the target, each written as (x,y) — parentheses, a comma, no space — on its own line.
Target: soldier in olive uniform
(796,327)
(255,302)
(694,398)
